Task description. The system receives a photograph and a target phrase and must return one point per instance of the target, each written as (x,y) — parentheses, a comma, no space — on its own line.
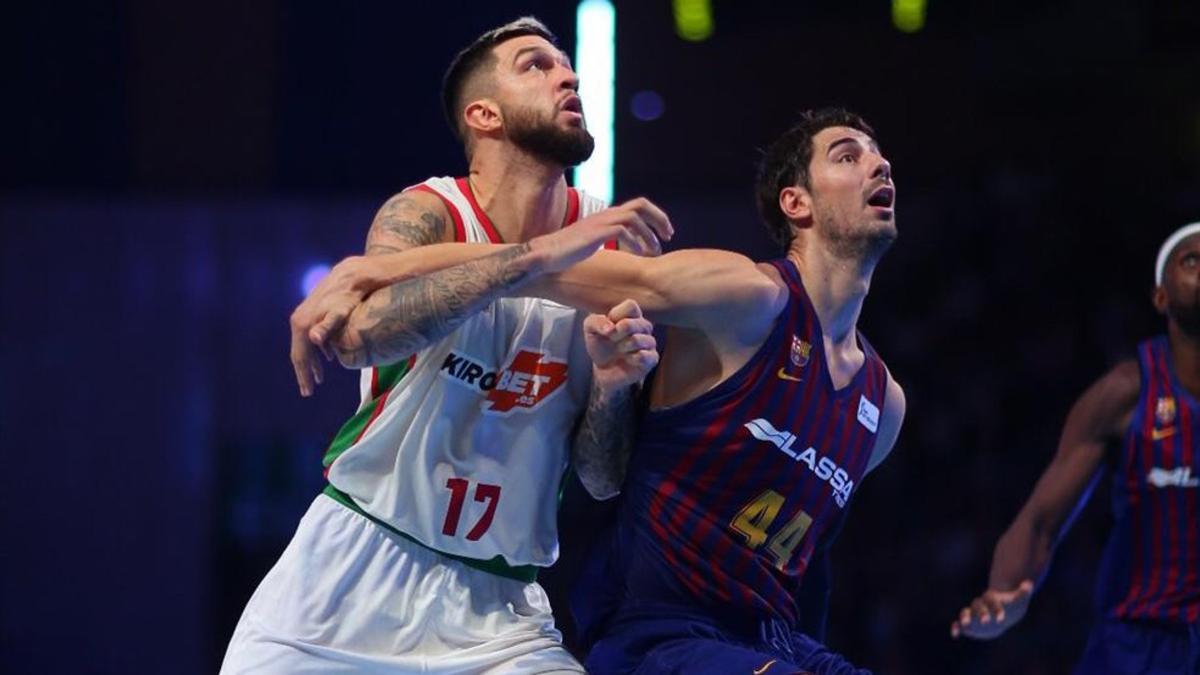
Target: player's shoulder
(432,194)
(895,402)
(416,216)
(895,395)
(775,291)
(774,286)
(1113,397)
(1122,382)
(428,196)
(891,419)
(771,272)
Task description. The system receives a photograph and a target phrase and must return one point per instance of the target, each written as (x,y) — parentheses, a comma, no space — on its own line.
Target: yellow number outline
(755,518)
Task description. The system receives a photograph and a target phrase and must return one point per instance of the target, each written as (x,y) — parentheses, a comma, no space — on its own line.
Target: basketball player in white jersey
(420,555)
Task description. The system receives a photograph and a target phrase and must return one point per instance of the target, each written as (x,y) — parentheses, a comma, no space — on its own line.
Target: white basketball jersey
(466,450)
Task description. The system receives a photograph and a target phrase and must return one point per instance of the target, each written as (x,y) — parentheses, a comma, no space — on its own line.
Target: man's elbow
(600,489)
(604,494)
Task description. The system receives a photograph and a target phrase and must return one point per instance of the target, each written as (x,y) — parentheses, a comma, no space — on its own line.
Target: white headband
(1169,245)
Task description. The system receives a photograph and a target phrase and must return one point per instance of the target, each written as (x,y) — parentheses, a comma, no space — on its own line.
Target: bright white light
(312,276)
(596,64)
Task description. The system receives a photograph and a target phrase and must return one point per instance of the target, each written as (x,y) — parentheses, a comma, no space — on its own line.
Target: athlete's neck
(1185,357)
(524,196)
(836,286)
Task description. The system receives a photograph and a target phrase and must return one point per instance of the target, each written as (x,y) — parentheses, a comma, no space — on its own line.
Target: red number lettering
(491,495)
(458,494)
(484,492)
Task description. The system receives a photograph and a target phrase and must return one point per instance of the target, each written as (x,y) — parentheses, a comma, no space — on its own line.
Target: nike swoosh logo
(768,664)
(784,376)
(1159,434)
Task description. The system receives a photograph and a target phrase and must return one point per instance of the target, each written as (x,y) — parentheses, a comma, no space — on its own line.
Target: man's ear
(796,204)
(1158,297)
(483,115)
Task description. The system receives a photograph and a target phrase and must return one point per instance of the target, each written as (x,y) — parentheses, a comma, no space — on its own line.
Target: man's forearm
(401,319)
(391,268)
(1023,552)
(604,440)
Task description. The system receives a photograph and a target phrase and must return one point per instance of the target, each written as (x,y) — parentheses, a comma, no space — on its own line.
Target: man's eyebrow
(851,139)
(841,141)
(562,56)
(524,50)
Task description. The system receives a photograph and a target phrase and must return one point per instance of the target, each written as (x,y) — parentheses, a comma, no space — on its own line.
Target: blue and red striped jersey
(727,493)
(1151,565)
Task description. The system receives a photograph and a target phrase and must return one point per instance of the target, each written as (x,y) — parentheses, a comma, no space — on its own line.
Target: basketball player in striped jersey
(768,409)
(757,437)
(421,554)
(1139,424)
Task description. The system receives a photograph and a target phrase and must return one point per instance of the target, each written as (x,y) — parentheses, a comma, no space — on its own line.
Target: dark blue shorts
(1118,647)
(660,641)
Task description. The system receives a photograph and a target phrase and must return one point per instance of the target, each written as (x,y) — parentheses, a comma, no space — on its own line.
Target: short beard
(865,243)
(542,138)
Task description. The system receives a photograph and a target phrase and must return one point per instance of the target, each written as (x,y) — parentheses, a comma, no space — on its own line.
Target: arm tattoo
(603,441)
(403,221)
(403,318)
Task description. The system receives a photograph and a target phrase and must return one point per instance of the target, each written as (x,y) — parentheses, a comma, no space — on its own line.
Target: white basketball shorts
(347,596)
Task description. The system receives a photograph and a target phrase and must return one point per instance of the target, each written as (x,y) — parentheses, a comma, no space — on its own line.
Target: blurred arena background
(170,173)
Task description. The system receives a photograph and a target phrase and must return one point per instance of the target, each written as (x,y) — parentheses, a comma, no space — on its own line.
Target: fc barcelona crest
(1164,412)
(800,352)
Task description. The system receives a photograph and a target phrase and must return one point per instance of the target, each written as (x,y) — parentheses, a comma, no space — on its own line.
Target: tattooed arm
(413,311)
(604,440)
(406,221)
(399,320)
(622,348)
(418,297)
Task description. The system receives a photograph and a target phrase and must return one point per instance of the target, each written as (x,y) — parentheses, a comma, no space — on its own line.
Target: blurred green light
(693,19)
(908,15)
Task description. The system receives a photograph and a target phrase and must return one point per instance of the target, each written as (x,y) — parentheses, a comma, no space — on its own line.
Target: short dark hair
(474,58)
(785,163)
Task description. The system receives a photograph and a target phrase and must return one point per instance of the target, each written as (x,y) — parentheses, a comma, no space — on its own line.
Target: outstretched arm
(719,292)
(1023,553)
(400,319)
(419,296)
(723,293)
(712,290)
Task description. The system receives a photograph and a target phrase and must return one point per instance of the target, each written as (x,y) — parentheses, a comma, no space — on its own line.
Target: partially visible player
(768,409)
(421,553)
(1139,425)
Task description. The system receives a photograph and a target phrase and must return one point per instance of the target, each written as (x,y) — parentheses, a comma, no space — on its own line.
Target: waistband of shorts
(737,625)
(496,565)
